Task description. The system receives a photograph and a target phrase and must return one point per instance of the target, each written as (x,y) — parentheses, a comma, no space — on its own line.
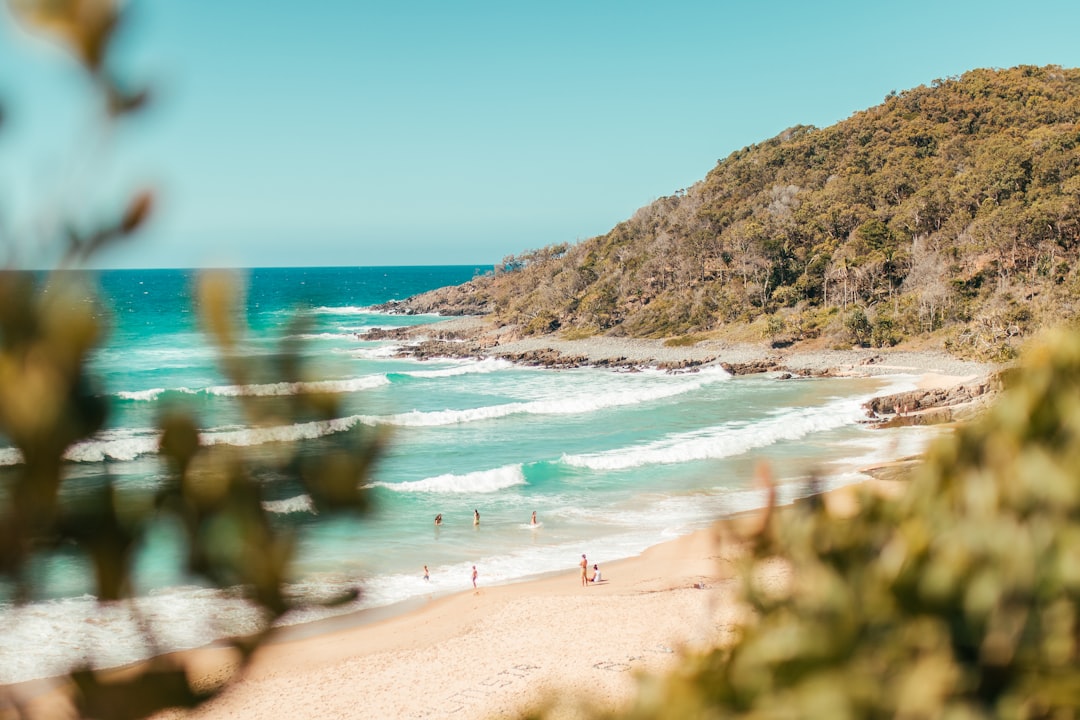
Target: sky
(348,132)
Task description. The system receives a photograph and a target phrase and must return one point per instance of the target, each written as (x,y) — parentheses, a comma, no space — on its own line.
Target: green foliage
(774,326)
(883,332)
(959,598)
(858,326)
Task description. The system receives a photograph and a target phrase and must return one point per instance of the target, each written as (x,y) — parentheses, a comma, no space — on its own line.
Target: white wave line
(365,382)
(725,440)
(480,481)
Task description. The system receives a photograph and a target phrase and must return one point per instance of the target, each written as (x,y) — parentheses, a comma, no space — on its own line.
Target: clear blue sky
(348,132)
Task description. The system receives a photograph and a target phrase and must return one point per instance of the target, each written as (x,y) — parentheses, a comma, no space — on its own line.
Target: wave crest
(481,481)
(725,440)
(356,384)
(300,503)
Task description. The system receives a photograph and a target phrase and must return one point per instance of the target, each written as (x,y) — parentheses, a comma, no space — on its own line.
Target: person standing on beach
(584,571)
(474,577)
(426,577)
(475,517)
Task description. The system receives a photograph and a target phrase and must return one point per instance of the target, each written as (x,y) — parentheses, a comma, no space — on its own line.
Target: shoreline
(503,650)
(473,337)
(496,652)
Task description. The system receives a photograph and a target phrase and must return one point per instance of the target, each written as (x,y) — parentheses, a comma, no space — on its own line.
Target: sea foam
(481,481)
(347,385)
(727,440)
(572,405)
(298,504)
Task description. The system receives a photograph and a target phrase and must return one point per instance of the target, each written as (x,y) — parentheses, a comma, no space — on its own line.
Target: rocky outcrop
(752,367)
(466,299)
(917,400)
(932,405)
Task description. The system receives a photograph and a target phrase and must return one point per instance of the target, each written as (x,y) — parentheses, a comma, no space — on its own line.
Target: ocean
(611,461)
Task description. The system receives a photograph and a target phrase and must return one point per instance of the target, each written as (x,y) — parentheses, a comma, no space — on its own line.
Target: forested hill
(950,213)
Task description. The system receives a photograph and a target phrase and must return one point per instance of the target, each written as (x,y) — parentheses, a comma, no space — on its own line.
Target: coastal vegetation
(949,214)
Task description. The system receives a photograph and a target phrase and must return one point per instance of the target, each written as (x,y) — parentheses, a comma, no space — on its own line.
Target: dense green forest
(948,214)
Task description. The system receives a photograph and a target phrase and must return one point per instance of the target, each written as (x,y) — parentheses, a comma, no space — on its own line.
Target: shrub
(858,326)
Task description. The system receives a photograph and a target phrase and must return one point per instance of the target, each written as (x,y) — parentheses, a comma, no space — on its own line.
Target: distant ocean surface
(611,461)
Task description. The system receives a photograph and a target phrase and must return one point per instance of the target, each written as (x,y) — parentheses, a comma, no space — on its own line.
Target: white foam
(364,382)
(80,630)
(123,445)
(487,365)
(727,440)
(573,405)
(481,481)
(300,503)
(145,395)
(380,352)
(244,437)
(347,385)
(887,444)
(344,310)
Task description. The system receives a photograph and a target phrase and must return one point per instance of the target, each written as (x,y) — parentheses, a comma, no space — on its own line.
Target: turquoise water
(611,461)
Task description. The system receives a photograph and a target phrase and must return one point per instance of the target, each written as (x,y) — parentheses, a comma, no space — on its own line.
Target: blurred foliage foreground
(210,494)
(50,325)
(959,599)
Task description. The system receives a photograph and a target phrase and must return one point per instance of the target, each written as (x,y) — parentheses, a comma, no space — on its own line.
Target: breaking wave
(481,481)
(727,440)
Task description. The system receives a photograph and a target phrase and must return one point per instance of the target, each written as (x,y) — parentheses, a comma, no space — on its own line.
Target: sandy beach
(497,651)
(500,650)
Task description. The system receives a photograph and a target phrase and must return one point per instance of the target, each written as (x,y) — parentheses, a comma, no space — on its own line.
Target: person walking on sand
(475,517)
(584,571)
(474,577)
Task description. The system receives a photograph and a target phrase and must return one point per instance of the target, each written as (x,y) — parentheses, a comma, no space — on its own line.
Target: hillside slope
(950,212)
